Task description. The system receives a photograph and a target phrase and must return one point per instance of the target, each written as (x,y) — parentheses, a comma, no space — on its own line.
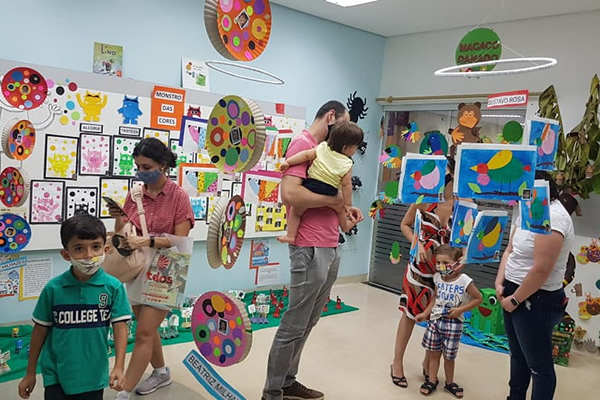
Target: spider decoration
(356,107)
(353,231)
(362,149)
(356,183)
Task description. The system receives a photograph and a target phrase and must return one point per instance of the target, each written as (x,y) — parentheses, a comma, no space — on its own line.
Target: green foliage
(474,187)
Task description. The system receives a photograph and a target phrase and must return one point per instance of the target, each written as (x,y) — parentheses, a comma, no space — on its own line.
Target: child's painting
(422,178)
(182,157)
(494,171)
(192,137)
(414,246)
(114,188)
(123,164)
(543,133)
(94,154)
(46,202)
(160,134)
(261,187)
(284,138)
(81,199)
(485,242)
(463,220)
(271,218)
(200,207)
(200,180)
(61,157)
(535,213)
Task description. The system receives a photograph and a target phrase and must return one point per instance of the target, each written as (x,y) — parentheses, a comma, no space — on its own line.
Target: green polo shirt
(79,314)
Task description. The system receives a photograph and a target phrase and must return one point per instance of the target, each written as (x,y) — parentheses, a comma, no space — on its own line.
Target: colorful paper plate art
(15,233)
(18,139)
(236,134)
(24,88)
(213,246)
(238,29)
(226,232)
(14,187)
(221,328)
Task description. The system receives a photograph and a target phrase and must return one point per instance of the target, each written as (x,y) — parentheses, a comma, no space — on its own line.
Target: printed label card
(94,154)
(46,205)
(60,160)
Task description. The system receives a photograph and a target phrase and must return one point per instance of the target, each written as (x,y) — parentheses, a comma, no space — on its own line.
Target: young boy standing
(72,319)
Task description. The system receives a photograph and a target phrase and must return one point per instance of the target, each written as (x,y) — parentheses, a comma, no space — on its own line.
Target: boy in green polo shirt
(72,319)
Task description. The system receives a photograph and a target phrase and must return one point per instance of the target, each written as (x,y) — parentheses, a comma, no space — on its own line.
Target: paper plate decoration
(226,232)
(221,328)
(239,30)
(24,88)
(236,134)
(14,187)
(18,139)
(15,233)
(395,255)
(434,143)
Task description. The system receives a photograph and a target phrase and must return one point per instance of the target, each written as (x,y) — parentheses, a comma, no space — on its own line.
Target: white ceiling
(400,17)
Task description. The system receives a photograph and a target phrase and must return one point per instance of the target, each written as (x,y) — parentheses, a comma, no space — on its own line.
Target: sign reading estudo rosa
(481,44)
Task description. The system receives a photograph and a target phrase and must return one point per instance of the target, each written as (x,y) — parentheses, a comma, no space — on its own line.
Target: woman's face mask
(149,177)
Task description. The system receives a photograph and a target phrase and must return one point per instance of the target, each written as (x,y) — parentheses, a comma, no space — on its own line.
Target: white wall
(410,61)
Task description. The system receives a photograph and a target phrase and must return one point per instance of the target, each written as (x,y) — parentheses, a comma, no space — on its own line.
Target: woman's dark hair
(345,133)
(334,105)
(554,193)
(154,149)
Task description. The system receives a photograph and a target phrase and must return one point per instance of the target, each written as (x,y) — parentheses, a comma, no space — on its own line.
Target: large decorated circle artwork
(238,29)
(221,328)
(232,233)
(14,187)
(236,134)
(24,88)
(18,139)
(15,233)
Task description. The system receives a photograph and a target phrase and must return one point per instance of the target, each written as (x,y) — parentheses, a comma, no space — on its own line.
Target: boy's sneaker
(300,392)
(154,382)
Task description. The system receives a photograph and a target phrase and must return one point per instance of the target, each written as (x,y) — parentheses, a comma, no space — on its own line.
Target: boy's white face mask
(88,266)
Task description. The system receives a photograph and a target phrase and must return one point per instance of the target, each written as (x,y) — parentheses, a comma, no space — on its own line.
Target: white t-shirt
(449,295)
(520,260)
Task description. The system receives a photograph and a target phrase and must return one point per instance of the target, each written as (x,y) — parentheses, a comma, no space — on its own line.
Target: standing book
(108,59)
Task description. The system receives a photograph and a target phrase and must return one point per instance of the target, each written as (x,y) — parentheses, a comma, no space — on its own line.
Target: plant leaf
(474,187)
(420,199)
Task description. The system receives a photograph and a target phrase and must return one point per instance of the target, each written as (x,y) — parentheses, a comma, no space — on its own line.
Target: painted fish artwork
(422,178)
(535,213)
(485,242)
(495,171)
(414,246)
(463,221)
(543,133)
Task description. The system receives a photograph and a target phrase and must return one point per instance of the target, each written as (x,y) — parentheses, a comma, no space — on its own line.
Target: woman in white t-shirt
(530,286)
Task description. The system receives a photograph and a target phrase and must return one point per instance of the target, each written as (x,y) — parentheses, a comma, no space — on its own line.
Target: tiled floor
(348,358)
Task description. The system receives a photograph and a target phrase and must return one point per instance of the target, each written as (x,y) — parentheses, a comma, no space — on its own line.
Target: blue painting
(199,206)
(422,179)
(543,133)
(463,221)
(485,242)
(494,171)
(414,246)
(535,212)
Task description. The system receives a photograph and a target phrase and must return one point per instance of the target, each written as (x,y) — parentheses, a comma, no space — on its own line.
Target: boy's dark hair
(345,133)
(554,193)
(156,150)
(334,105)
(453,252)
(82,226)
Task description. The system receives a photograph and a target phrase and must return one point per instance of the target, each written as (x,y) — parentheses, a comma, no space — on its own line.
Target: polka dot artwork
(24,88)
(236,134)
(123,164)
(114,188)
(159,134)
(47,202)
(61,157)
(238,29)
(14,187)
(62,93)
(94,154)
(233,229)
(81,199)
(15,233)
(221,328)
(18,139)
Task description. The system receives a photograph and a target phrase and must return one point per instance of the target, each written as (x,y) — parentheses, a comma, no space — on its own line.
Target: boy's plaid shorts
(443,335)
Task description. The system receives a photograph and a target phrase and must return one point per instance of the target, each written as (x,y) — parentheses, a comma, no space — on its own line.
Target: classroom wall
(319,60)
(410,61)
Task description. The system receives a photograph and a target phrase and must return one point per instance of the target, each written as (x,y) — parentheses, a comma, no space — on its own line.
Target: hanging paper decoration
(24,88)
(18,139)
(14,187)
(535,213)
(390,193)
(512,133)
(15,233)
(357,107)
(236,134)
(411,133)
(395,255)
(226,232)
(434,143)
(486,240)
(236,32)
(543,133)
(391,157)
(377,209)
(468,118)
(589,308)
(463,220)
(422,178)
(221,329)
(589,253)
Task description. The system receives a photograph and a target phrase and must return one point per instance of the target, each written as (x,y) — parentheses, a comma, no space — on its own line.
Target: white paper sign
(194,75)
(34,277)
(268,275)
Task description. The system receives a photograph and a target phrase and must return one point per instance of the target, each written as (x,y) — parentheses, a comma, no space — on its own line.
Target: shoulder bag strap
(136,195)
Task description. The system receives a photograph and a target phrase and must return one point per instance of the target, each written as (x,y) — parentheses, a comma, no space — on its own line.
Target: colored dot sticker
(24,88)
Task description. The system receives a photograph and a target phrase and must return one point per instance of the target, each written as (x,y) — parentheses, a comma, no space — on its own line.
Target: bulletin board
(85,127)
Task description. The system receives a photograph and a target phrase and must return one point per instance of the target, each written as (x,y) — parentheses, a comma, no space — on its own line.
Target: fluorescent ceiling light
(349,3)
(502,116)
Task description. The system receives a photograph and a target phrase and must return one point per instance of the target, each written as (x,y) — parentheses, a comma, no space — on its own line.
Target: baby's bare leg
(293,223)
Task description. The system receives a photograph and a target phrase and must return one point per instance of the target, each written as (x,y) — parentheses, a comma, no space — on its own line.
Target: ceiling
(401,17)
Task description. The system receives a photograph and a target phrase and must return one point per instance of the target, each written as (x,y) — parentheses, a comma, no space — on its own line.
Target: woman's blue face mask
(149,177)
